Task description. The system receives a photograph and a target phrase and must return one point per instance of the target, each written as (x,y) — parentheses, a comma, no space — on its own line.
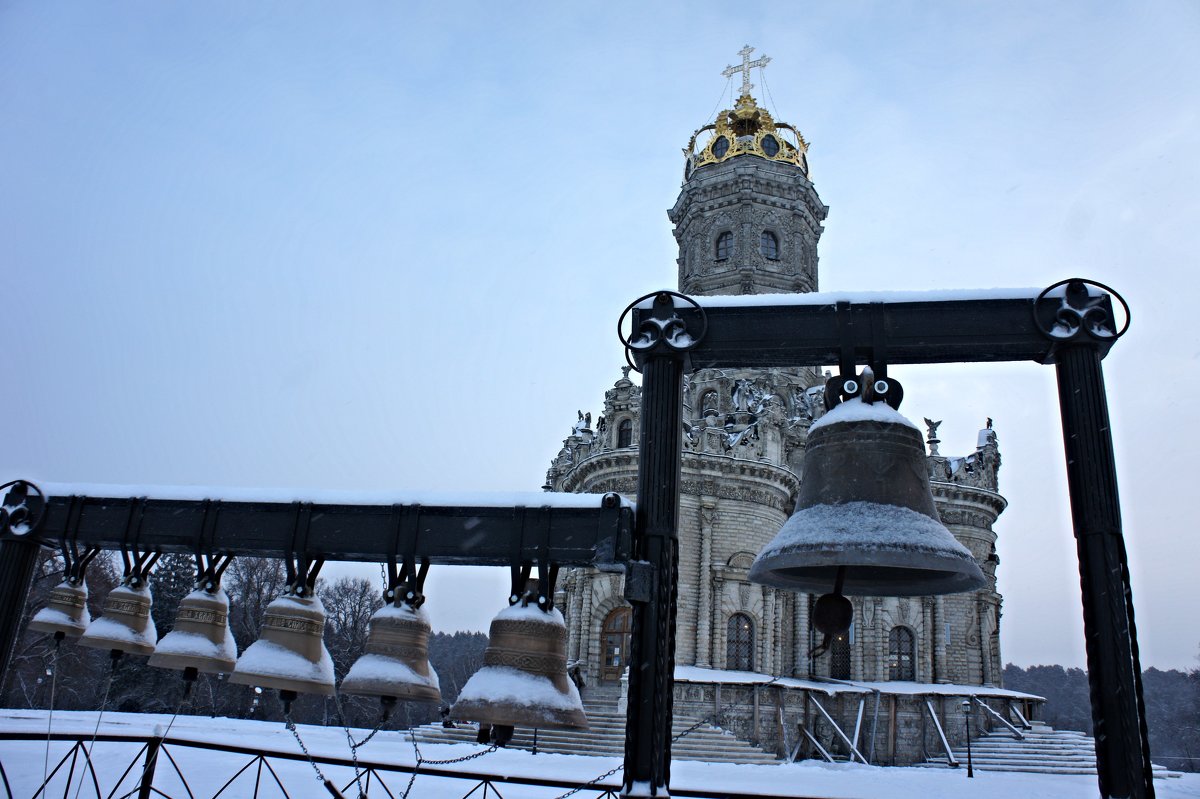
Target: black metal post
(659,347)
(146,787)
(18,557)
(1114,671)
(966,706)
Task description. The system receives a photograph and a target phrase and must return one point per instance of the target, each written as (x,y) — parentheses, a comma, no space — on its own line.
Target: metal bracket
(639,581)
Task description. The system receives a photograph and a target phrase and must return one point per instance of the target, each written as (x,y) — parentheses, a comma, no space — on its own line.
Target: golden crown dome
(746,129)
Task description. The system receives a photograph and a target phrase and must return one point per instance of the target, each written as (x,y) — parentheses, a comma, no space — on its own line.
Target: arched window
(739,643)
(724,245)
(901,654)
(614,644)
(768,245)
(839,656)
(708,403)
(625,434)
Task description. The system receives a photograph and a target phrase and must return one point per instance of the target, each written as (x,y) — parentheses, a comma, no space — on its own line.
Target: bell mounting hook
(302,571)
(872,384)
(406,580)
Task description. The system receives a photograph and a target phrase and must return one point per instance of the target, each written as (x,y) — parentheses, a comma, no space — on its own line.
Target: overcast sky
(385,245)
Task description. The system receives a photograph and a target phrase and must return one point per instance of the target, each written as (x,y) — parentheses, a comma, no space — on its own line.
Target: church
(748,220)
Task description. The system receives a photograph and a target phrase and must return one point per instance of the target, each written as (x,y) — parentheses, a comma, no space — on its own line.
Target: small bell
(201,638)
(65,612)
(396,663)
(125,624)
(865,514)
(290,654)
(524,682)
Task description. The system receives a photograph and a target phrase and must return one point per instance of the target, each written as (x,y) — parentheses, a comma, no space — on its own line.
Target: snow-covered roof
(831,687)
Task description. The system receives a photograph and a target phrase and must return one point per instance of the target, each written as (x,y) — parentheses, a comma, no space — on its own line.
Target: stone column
(939,636)
(718,657)
(767,644)
(858,627)
(704,614)
(777,609)
(881,634)
(925,641)
(800,636)
(587,623)
(575,608)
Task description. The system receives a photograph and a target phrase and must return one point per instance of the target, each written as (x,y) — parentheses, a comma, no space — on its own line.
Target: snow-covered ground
(206,770)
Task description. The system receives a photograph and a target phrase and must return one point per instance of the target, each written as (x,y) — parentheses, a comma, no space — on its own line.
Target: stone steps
(606,737)
(1043,751)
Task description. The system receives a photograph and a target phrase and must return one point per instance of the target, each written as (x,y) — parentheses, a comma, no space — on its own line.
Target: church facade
(747,221)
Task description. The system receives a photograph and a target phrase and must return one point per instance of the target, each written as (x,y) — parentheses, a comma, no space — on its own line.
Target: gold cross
(745,68)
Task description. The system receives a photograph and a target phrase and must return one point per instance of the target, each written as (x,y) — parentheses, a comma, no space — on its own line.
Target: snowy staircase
(606,737)
(1044,750)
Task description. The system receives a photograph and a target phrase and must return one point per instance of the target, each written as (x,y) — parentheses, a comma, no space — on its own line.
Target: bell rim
(955,575)
(486,713)
(275,682)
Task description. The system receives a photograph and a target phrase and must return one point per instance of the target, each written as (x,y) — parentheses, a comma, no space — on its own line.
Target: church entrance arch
(614,644)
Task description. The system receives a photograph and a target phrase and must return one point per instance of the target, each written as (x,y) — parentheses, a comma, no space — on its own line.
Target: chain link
(715,716)
(421,761)
(591,782)
(291,725)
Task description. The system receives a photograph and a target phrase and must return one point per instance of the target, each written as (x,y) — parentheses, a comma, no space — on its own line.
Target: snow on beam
(464,528)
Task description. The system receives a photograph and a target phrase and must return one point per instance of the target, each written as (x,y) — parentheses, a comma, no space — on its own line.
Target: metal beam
(466,535)
(913,331)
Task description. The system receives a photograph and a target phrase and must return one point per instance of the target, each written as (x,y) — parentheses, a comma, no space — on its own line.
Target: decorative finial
(745,68)
(933,440)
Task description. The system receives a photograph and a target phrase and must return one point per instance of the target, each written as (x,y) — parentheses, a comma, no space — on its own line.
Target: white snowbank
(207,770)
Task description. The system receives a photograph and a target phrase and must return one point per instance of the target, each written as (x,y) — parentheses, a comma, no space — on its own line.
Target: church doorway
(614,644)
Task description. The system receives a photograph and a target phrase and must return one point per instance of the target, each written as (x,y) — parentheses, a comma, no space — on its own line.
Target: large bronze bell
(523,682)
(201,638)
(396,661)
(65,612)
(125,624)
(865,515)
(290,654)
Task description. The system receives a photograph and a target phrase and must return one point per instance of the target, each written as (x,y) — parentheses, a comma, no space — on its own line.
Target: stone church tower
(747,221)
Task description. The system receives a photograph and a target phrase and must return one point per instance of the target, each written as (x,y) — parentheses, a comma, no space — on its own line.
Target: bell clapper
(832,614)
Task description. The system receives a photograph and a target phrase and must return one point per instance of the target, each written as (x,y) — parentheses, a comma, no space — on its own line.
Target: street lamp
(966,706)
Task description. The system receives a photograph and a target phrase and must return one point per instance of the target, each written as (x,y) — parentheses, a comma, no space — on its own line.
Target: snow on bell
(524,682)
(290,654)
(125,624)
(201,638)
(865,517)
(65,612)
(395,665)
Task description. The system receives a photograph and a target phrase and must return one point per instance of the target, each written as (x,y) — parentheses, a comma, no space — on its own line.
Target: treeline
(78,676)
(1172,707)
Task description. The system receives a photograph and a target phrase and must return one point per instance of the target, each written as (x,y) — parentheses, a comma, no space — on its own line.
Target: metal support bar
(659,346)
(937,724)
(1016,733)
(806,735)
(1012,708)
(858,720)
(854,753)
(1114,673)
